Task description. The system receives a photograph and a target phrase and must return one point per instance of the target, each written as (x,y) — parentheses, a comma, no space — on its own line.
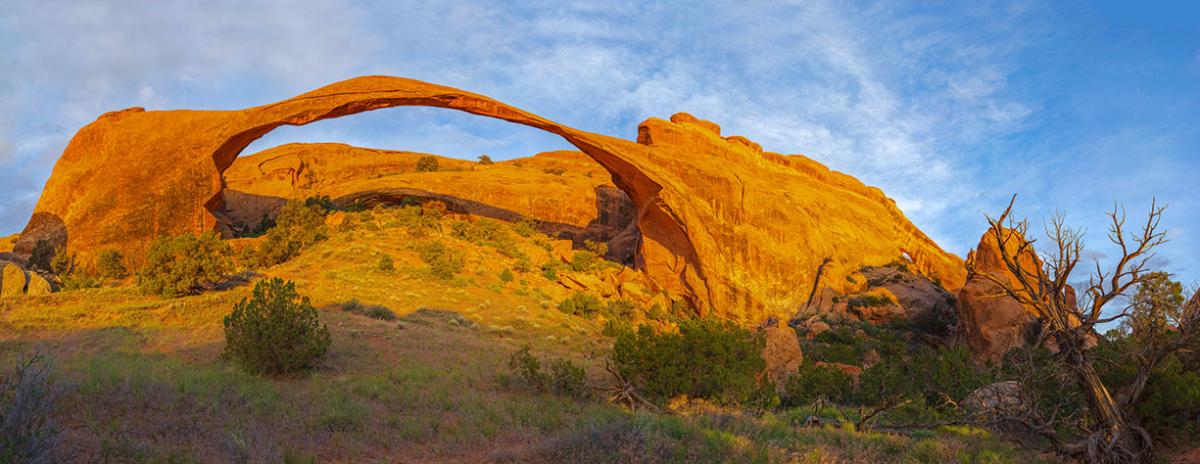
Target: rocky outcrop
(38,285)
(565,193)
(781,353)
(734,229)
(990,321)
(12,281)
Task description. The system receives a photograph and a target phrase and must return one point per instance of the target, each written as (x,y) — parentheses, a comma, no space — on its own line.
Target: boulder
(999,397)
(707,209)
(918,295)
(782,352)
(876,306)
(989,321)
(12,281)
(38,285)
(817,328)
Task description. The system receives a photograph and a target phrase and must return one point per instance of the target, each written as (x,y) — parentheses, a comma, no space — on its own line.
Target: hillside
(433,385)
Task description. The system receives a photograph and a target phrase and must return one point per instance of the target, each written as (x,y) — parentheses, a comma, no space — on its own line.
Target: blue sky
(949,107)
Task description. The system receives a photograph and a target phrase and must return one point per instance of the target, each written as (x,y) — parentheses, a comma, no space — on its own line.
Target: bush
(583,261)
(935,379)
(485,160)
(298,226)
(550,270)
(707,358)
(184,264)
(568,379)
(565,377)
(813,381)
(427,164)
(372,311)
(323,202)
(43,252)
(621,308)
(525,228)
(385,263)
(528,368)
(111,265)
(868,301)
(78,281)
(27,401)
(62,263)
(581,304)
(443,262)
(276,331)
(506,276)
(1170,407)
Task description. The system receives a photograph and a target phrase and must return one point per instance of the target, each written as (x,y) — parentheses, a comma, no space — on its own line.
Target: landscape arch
(731,228)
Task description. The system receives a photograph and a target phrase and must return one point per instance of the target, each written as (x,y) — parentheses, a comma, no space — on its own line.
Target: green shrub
(111,265)
(583,261)
(599,249)
(565,377)
(568,379)
(934,379)
(614,327)
(528,369)
(486,232)
(813,381)
(78,281)
(621,308)
(62,263)
(184,264)
(443,262)
(525,228)
(867,301)
(385,263)
(427,164)
(1170,407)
(485,160)
(275,332)
(550,269)
(28,399)
(323,202)
(297,227)
(555,171)
(707,358)
(506,276)
(581,304)
(372,311)
(43,253)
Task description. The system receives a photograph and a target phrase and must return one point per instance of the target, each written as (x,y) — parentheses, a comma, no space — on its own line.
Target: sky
(949,107)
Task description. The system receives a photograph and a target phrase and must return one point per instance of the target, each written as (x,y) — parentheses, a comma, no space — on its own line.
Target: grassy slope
(146,383)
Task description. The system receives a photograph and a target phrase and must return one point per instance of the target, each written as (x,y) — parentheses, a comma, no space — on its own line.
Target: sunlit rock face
(738,231)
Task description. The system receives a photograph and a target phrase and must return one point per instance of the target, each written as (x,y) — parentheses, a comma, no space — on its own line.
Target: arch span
(723,223)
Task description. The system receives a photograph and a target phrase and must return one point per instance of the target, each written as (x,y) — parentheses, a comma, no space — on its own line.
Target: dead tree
(1112,432)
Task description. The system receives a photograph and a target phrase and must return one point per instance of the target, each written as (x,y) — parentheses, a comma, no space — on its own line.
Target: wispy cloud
(948,108)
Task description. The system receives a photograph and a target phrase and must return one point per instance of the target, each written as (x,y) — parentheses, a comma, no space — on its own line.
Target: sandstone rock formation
(782,353)
(735,229)
(566,193)
(12,281)
(989,321)
(38,285)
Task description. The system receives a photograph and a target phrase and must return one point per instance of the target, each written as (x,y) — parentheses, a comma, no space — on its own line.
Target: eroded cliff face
(738,231)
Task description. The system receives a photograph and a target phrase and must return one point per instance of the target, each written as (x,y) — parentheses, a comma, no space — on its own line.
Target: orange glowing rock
(736,230)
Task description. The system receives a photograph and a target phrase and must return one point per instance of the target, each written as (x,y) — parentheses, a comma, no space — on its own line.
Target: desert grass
(146,382)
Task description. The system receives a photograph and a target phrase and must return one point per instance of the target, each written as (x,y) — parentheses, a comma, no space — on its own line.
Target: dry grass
(147,383)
